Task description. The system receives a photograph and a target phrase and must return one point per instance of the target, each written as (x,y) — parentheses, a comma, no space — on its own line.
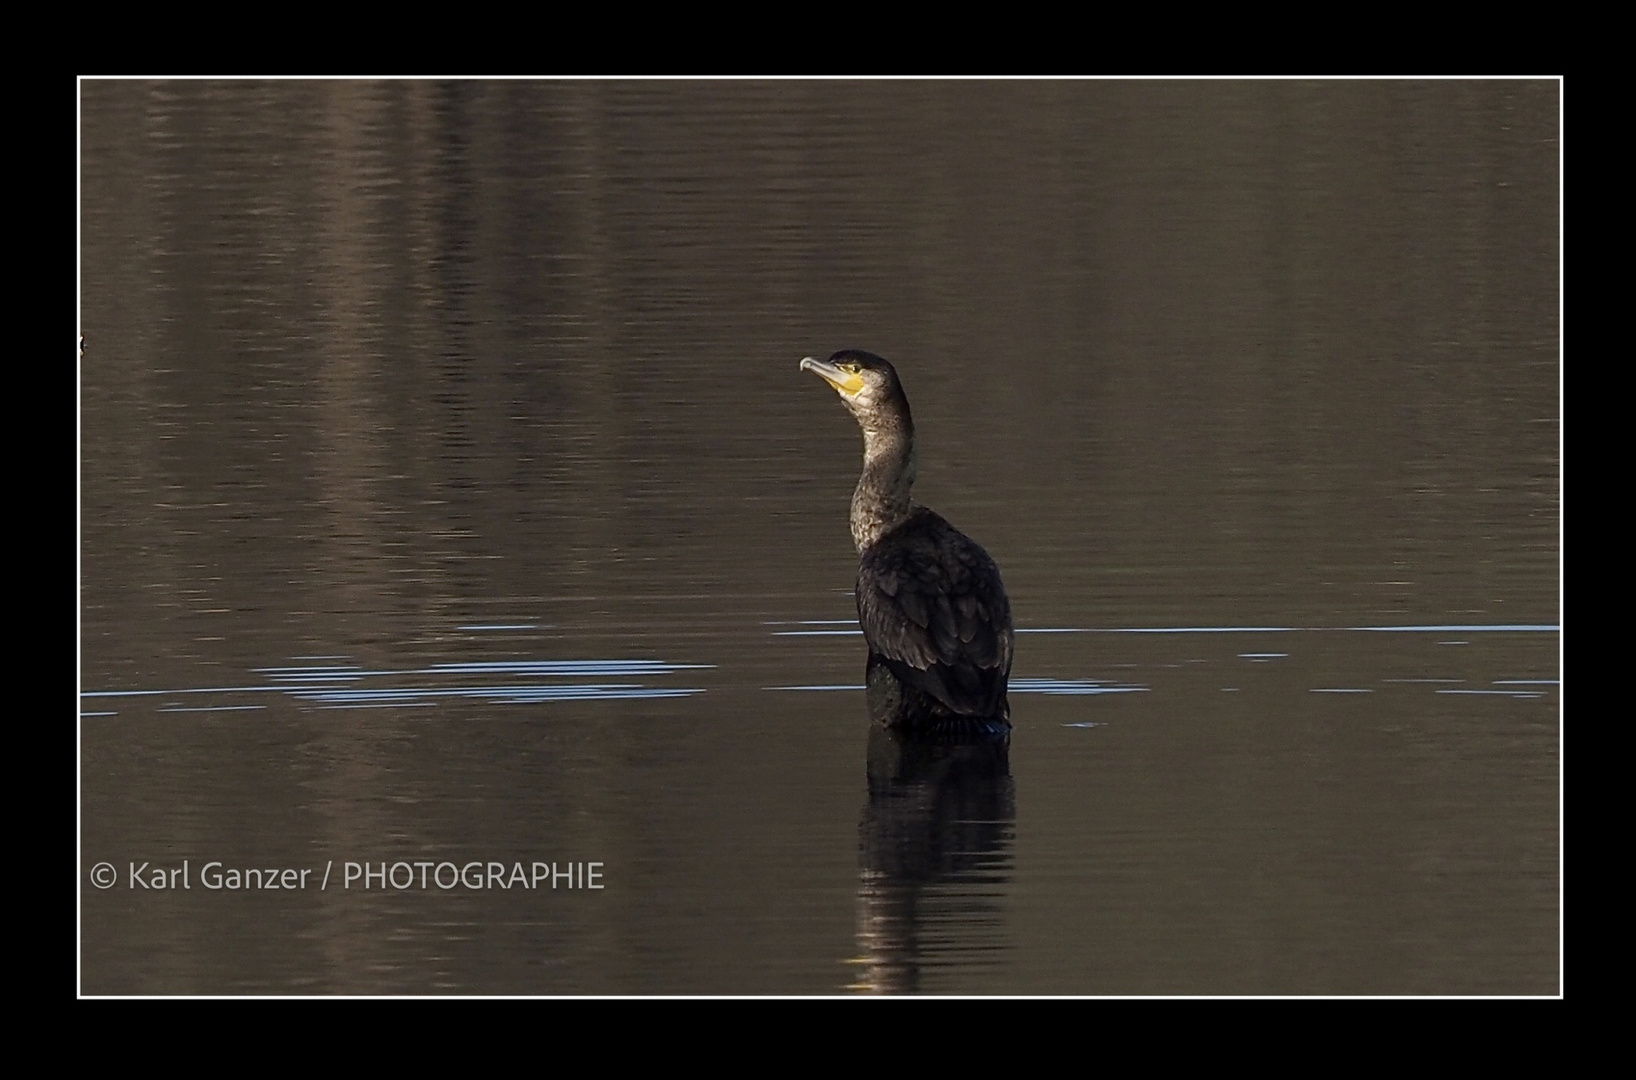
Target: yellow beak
(846,382)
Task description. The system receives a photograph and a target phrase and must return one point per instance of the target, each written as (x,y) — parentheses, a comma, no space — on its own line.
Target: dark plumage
(930,600)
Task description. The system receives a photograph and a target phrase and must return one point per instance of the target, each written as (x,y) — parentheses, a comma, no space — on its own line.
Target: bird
(931,603)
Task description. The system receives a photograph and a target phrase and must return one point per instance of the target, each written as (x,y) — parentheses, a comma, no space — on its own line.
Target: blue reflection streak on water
(1423,680)
(197,690)
(326,686)
(1498,693)
(207,708)
(342,668)
(811,622)
(385,705)
(291,676)
(817,633)
(1490,629)
(327,673)
(500,626)
(510,695)
(1073,686)
(561,667)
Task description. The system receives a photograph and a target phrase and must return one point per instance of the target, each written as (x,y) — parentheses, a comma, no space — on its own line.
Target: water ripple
(335,685)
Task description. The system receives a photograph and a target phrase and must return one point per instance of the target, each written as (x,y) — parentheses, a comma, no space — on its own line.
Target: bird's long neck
(881,500)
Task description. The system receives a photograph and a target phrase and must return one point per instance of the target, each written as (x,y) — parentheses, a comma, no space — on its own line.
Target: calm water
(450,496)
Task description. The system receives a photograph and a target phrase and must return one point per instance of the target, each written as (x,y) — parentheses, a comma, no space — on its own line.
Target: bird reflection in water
(935,851)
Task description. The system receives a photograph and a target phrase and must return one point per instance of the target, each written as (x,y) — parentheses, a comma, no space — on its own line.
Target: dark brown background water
(389,385)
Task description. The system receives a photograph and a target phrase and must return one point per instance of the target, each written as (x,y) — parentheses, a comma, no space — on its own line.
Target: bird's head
(867,384)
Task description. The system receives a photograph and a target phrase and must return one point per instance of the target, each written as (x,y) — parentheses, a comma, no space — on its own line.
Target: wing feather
(932,605)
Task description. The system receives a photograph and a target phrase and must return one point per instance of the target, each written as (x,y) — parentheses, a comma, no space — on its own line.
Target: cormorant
(930,601)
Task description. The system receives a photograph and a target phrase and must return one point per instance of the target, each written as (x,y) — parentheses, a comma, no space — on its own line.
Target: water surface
(450,494)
